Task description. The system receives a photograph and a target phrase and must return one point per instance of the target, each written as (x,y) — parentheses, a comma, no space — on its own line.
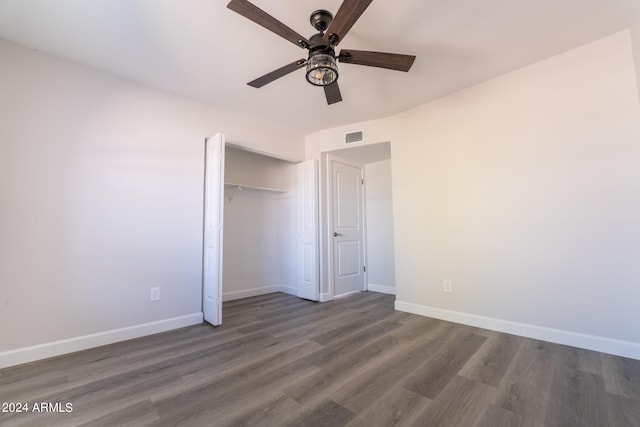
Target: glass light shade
(322,69)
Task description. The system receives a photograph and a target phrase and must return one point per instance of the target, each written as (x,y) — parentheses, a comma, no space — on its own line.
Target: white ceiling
(200,49)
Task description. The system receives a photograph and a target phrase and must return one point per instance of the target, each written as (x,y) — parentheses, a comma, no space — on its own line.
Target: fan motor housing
(318,43)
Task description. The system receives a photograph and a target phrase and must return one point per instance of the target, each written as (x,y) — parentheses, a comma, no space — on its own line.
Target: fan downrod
(320,20)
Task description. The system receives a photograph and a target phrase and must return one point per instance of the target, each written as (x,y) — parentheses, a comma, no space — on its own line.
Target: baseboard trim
(57,348)
(391,290)
(326,297)
(558,336)
(288,290)
(246,293)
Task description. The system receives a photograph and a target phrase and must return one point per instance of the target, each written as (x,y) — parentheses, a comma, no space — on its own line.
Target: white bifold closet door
(308,263)
(213,220)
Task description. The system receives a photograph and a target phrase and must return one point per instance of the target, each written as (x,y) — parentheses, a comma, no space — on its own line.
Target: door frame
(329,215)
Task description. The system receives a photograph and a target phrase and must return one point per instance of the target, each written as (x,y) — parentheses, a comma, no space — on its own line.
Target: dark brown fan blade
(260,17)
(392,61)
(347,15)
(276,74)
(332,92)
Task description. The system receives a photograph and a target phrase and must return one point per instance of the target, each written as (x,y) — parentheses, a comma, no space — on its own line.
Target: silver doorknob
(336,234)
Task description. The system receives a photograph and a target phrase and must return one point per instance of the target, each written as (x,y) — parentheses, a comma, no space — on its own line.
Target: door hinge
(362,181)
(364,268)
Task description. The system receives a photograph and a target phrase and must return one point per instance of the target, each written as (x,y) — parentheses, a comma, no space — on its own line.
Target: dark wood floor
(282,361)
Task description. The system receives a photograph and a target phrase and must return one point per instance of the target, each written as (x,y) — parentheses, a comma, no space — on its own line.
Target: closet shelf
(253,187)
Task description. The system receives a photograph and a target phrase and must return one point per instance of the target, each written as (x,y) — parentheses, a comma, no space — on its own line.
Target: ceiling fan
(321,64)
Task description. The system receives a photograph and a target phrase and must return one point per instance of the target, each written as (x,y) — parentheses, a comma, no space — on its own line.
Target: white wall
(259,227)
(635,38)
(525,192)
(102,189)
(245,167)
(379,213)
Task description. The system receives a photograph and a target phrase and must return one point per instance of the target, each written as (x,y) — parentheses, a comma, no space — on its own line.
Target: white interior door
(213,219)
(308,266)
(348,227)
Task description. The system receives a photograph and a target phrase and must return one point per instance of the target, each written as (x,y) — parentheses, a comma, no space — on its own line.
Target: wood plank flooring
(281,361)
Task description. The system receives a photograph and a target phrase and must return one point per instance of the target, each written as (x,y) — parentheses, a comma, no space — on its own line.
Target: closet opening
(259,251)
(260,227)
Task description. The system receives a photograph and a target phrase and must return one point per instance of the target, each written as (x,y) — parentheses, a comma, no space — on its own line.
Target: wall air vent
(352,137)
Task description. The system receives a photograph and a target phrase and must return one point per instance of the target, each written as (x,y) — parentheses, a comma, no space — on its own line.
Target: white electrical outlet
(447,286)
(155,294)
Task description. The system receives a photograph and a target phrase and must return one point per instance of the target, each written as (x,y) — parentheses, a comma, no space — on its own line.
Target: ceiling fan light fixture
(322,69)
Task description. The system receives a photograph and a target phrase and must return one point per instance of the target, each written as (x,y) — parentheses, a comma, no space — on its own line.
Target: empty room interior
(320,213)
